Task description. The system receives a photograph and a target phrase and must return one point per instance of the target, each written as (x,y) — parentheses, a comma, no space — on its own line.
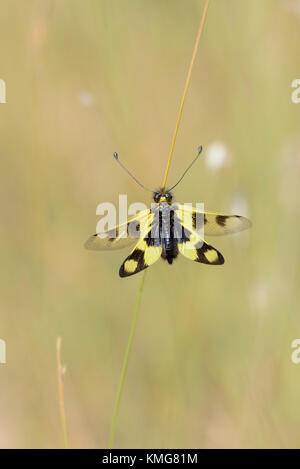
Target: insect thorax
(164,221)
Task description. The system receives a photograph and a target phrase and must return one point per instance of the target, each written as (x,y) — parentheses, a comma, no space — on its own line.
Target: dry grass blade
(60,374)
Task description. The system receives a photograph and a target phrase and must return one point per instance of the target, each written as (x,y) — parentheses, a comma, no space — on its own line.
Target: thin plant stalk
(186,86)
(125,363)
(140,291)
(60,374)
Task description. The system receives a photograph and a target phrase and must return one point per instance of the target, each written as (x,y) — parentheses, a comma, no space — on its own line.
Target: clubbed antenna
(116,156)
(199,151)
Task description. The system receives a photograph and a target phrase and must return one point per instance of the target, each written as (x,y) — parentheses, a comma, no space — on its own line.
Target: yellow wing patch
(211,255)
(130,266)
(187,249)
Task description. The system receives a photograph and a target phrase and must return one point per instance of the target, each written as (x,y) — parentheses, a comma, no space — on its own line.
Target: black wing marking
(214,224)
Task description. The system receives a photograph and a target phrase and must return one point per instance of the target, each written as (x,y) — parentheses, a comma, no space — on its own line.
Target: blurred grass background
(211,362)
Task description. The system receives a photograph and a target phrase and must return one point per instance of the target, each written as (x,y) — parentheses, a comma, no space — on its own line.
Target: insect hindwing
(191,244)
(146,252)
(195,249)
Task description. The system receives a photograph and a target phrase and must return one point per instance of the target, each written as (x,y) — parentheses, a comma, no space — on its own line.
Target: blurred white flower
(217,155)
(86,98)
(292,5)
(37,34)
(259,296)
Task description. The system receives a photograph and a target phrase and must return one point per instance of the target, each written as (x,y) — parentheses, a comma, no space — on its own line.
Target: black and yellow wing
(122,235)
(147,251)
(196,249)
(214,224)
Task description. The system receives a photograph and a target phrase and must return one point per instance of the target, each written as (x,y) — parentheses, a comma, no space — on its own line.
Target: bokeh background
(211,360)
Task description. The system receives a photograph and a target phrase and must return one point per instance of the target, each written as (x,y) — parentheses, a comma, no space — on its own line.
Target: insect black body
(166,230)
(166,223)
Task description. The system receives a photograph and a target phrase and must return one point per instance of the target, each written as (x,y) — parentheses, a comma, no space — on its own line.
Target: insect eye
(168,196)
(156,197)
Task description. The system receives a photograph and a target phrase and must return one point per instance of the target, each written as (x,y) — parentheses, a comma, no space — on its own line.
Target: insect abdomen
(169,244)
